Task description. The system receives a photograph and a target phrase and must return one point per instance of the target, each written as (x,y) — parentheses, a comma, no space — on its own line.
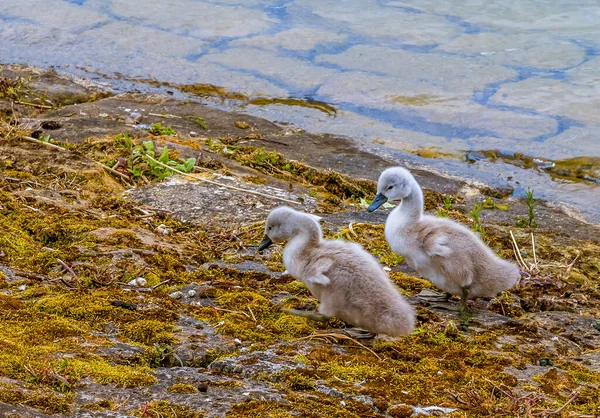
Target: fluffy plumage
(348,281)
(446,253)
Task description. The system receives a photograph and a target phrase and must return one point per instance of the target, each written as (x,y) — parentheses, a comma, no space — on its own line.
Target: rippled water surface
(454,75)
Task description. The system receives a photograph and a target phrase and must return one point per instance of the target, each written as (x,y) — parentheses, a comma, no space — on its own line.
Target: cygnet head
(394,184)
(283,223)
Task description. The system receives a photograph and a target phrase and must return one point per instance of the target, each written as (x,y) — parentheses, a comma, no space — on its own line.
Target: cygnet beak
(266,243)
(379,200)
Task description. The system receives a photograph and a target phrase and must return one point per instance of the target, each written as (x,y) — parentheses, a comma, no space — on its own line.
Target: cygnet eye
(270,228)
(390,187)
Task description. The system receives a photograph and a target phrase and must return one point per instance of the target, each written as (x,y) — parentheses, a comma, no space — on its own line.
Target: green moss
(410,284)
(104,372)
(372,238)
(149,332)
(99,406)
(291,326)
(159,129)
(166,409)
(182,388)
(43,399)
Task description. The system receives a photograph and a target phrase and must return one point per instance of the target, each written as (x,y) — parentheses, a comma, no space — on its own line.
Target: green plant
(477,220)
(139,165)
(159,129)
(531,202)
(124,140)
(447,201)
(12,89)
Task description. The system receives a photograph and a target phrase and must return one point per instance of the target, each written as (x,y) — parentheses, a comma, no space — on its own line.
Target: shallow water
(452,75)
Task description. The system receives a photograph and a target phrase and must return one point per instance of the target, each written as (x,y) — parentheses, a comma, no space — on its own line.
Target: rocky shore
(130,283)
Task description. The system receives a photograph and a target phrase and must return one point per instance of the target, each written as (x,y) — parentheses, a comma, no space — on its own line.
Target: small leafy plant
(144,163)
(443,209)
(12,89)
(477,220)
(531,202)
(159,129)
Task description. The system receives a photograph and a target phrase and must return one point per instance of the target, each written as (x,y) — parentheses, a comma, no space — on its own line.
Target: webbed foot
(433,296)
(315,316)
(358,333)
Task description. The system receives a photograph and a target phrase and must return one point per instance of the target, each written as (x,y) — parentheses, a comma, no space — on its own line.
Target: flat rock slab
(199,203)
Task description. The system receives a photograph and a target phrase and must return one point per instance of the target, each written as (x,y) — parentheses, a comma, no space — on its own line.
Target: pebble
(162,228)
(191,293)
(237,341)
(176,295)
(22,287)
(203,387)
(140,282)
(386,268)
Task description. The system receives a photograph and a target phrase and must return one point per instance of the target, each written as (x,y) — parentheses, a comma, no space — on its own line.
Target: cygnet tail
(504,273)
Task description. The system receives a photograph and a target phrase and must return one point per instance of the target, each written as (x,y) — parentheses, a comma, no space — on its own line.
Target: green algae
(310,104)
(210,90)
(418,100)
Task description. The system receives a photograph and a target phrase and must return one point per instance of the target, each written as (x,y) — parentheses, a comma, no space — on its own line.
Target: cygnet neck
(308,232)
(412,205)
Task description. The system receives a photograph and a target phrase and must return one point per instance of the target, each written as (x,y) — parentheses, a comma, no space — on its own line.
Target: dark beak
(266,243)
(379,200)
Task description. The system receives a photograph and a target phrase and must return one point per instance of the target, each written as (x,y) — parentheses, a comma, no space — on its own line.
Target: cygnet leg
(462,305)
(315,316)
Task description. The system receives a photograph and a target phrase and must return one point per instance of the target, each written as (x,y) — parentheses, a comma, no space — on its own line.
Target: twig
(156,286)
(508,395)
(220,184)
(559,410)
(342,336)
(518,252)
(37,141)
(533,248)
(41,106)
(352,229)
(115,172)
(28,275)
(14,180)
(48,144)
(165,115)
(252,313)
(230,311)
(69,270)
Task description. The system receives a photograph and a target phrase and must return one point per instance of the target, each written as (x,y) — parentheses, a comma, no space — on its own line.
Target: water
(446,75)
